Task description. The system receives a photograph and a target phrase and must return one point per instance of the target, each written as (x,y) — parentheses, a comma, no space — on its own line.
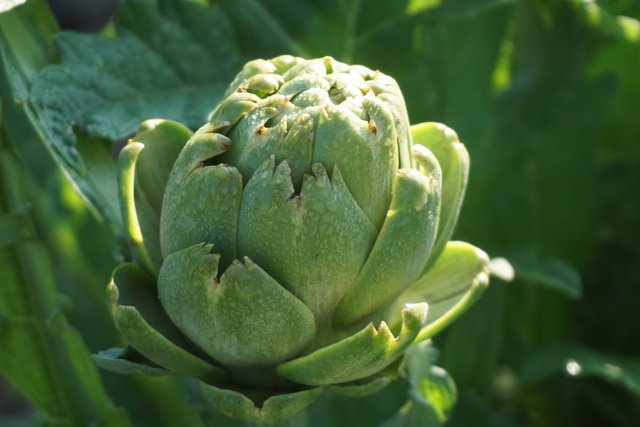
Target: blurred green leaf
(78,261)
(432,392)
(414,414)
(160,63)
(550,272)
(621,27)
(28,34)
(480,329)
(41,354)
(474,410)
(577,361)
(432,387)
(536,164)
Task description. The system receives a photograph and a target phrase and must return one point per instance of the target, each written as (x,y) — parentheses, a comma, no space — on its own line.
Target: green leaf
(432,394)
(255,20)
(82,259)
(538,160)
(431,385)
(168,60)
(13,228)
(158,400)
(578,361)
(621,27)
(481,329)
(549,272)
(474,410)
(161,63)
(413,414)
(30,31)
(27,35)
(62,381)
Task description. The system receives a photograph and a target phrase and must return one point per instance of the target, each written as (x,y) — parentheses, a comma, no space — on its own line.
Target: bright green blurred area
(545,94)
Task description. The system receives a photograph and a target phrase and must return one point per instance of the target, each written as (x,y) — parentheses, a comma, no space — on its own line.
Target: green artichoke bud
(299,239)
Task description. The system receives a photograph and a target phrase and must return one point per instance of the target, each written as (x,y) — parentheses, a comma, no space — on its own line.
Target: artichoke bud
(288,225)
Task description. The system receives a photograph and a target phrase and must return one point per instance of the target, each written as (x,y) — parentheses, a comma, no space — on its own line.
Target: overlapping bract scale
(314,243)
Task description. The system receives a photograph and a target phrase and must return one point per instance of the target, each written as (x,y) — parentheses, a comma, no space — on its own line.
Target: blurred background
(544,93)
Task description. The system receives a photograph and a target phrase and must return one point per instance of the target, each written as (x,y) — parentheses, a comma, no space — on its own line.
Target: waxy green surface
(296,240)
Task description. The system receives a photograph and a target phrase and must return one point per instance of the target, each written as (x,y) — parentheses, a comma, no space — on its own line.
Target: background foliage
(544,93)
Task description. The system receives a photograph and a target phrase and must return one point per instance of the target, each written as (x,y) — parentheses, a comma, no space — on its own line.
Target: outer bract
(299,239)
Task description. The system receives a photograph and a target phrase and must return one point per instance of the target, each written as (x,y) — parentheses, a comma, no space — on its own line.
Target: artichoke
(298,240)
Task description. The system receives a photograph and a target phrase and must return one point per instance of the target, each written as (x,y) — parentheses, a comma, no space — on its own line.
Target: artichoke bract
(299,239)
